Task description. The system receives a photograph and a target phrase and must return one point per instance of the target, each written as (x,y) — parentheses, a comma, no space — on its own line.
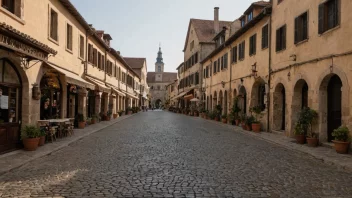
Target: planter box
(341,147)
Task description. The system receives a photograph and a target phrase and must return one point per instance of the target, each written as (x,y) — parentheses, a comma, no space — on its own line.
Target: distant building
(157,82)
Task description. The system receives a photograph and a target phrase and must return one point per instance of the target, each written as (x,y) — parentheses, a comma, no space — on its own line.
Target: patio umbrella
(195,100)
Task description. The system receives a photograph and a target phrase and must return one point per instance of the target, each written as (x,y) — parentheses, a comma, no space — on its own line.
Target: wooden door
(334,105)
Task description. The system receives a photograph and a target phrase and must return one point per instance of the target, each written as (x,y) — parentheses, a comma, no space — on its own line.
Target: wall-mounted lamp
(289,76)
(223,84)
(293,57)
(331,68)
(242,81)
(254,69)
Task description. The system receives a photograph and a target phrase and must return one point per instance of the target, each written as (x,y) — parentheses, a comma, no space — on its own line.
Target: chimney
(216,20)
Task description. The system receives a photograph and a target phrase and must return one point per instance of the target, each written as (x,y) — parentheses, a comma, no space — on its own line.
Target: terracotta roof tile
(135,63)
(167,77)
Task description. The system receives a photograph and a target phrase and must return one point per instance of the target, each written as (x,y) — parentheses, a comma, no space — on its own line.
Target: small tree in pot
(95,119)
(243,119)
(224,118)
(342,139)
(218,110)
(305,120)
(312,138)
(42,135)
(248,123)
(30,136)
(257,110)
(81,121)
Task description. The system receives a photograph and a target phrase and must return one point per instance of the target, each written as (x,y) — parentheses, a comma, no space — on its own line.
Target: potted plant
(129,111)
(42,135)
(243,119)
(256,124)
(235,111)
(81,121)
(218,110)
(108,115)
(30,136)
(305,120)
(341,139)
(94,119)
(248,122)
(224,118)
(89,121)
(312,138)
(115,115)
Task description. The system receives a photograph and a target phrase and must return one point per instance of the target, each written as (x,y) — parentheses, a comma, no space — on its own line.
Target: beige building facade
(53,64)
(286,55)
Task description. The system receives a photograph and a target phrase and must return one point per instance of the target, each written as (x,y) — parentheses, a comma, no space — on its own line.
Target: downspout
(269,80)
(86,58)
(230,65)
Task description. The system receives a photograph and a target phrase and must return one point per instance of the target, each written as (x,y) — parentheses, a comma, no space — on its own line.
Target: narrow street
(162,154)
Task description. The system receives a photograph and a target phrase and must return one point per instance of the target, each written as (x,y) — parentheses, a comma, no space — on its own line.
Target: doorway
(334,105)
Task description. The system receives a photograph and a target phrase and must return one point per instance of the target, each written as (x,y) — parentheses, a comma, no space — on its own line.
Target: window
(250,16)
(90,53)
(197,78)
(265,36)
(159,68)
(281,38)
(226,56)
(253,45)
(81,46)
(53,25)
(103,62)
(241,50)
(328,15)
(192,45)
(234,54)
(222,63)
(95,56)
(215,66)
(9,5)
(301,28)
(99,60)
(243,22)
(219,64)
(69,37)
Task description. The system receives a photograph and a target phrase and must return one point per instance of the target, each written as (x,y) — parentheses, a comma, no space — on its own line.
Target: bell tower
(159,65)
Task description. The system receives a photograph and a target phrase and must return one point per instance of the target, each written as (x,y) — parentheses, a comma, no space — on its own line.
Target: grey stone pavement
(161,154)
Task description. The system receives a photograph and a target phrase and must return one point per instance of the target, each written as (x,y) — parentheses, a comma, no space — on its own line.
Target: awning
(114,89)
(187,97)
(132,96)
(180,95)
(100,85)
(72,78)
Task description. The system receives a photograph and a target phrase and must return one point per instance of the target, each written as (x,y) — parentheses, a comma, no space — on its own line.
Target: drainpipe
(269,81)
(86,58)
(230,65)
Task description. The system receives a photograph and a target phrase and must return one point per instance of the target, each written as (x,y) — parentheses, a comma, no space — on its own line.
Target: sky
(138,26)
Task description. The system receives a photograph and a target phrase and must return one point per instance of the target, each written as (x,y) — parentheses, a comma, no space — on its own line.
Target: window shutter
(277,40)
(284,37)
(255,44)
(321,18)
(218,64)
(336,12)
(263,37)
(296,29)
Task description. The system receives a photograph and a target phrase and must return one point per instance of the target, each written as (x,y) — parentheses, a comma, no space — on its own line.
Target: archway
(258,94)
(10,106)
(215,100)
(299,100)
(279,107)
(225,103)
(242,100)
(331,103)
(158,104)
(51,95)
(221,100)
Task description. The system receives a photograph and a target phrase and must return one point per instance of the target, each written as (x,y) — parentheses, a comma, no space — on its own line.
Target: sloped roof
(135,63)
(258,3)
(204,29)
(167,77)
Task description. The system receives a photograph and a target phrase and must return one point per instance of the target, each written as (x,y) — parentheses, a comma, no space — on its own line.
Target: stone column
(106,103)
(98,102)
(113,101)
(82,101)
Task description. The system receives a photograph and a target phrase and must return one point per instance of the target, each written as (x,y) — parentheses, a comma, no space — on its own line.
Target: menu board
(4,102)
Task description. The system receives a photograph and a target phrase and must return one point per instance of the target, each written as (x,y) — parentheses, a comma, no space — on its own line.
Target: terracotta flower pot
(256,127)
(312,142)
(341,147)
(41,141)
(300,139)
(108,118)
(216,119)
(248,127)
(129,113)
(224,120)
(81,125)
(115,115)
(237,122)
(31,144)
(93,121)
(243,125)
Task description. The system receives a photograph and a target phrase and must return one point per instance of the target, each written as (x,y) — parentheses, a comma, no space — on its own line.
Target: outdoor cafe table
(59,122)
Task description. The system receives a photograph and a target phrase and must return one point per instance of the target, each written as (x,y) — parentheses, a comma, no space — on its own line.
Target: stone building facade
(171,93)
(157,82)
(53,64)
(285,56)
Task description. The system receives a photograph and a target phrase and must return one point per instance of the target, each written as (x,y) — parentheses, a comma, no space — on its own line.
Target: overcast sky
(138,26)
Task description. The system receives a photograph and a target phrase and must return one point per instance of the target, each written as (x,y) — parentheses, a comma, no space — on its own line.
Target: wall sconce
(242,81)
(36,92)
(223,84)
(331,68)
(254,69)
(289,76)
(293,57)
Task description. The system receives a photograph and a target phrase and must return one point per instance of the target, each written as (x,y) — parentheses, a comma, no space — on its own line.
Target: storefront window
(50,103)
(9,93)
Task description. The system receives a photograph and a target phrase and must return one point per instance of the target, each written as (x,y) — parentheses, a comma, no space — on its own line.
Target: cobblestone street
(161,154)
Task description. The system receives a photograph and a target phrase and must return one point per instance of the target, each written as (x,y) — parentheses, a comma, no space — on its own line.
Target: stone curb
(48,152)
(326,160)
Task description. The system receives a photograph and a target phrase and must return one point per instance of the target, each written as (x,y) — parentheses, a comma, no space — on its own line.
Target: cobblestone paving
(161,154)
